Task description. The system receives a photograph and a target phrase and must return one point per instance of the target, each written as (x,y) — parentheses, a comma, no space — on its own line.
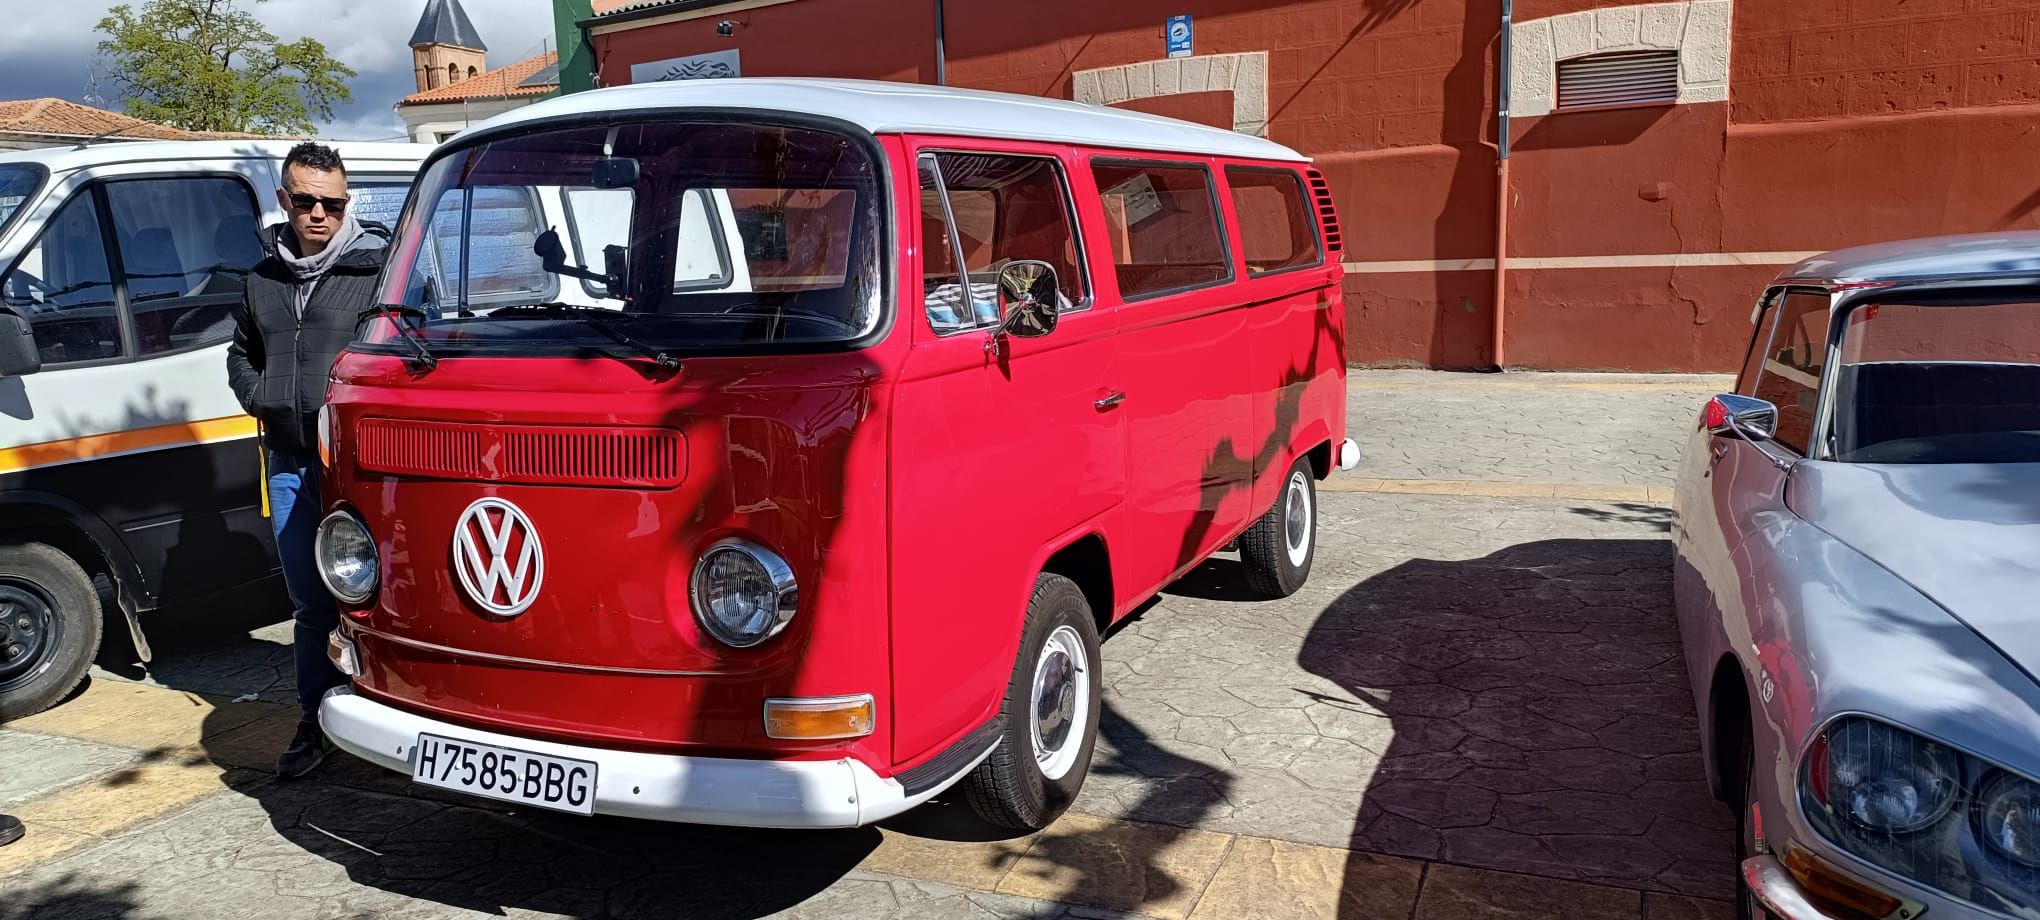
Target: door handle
(1110,401)
(1720,451)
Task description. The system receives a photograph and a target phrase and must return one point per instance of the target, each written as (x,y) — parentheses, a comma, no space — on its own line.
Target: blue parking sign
(1179,36)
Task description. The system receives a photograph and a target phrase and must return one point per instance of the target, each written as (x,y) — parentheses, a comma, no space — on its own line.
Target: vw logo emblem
(497,555)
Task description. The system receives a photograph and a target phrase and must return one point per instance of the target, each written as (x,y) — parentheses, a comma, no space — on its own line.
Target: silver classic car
(1858,584)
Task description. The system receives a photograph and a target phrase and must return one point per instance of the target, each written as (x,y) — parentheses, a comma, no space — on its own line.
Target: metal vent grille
(619,457)
(1321,193)
(1619,78)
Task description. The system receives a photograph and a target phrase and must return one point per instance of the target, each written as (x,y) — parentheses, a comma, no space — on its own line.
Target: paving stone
(32,765)
(1153,870)
(1458,893)
(1277,880)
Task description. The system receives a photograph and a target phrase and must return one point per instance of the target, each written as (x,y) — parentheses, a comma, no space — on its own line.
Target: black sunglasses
(302,202)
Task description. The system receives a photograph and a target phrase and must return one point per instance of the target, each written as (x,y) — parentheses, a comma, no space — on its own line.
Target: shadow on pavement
(69,898)
(1531,713)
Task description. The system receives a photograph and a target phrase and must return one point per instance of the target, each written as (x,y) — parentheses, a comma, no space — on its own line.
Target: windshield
(695,235)
(18,183)
(1945,381)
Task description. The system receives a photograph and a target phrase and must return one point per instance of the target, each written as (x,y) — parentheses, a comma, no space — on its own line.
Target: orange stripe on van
(70,450)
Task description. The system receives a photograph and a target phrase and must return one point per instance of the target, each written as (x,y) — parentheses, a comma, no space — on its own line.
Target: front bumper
(660,787)
(1778,891)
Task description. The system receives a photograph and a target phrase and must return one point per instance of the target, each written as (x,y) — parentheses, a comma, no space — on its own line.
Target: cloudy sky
(48,49)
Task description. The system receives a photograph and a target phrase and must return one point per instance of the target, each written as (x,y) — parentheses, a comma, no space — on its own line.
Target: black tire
(1746,905)
(1010,788)
(42,662)
(1275,567)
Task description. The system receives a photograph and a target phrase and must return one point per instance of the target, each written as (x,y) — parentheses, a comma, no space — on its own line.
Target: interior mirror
(614,172)
(1029,300)
(18,354)
(1733,415)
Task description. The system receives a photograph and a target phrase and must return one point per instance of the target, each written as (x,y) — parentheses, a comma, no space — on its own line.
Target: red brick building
(1746,133)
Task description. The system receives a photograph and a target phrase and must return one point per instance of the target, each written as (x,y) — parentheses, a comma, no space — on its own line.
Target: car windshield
(18,183)
(1939,381)
(688,235)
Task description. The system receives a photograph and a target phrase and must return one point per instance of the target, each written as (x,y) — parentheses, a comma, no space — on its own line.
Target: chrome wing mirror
(1029,299)
(1752,419)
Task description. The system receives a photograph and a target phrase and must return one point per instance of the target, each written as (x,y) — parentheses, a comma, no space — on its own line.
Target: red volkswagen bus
(774,452)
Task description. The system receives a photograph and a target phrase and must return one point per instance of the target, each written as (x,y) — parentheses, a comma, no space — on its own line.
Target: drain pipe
(941,58)
(1502,190)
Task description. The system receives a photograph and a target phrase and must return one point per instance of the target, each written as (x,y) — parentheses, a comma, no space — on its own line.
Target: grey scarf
(309,269)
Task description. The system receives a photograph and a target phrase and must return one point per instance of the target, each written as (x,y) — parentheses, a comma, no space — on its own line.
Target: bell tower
(445,48)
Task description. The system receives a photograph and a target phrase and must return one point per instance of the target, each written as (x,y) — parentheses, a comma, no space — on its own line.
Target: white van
(128,473)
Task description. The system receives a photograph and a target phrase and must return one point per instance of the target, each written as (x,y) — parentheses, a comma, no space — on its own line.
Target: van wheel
(1049,721)
(49,627)
(1279,548)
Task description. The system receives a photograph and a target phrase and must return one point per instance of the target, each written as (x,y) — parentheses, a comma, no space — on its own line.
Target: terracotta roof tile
(501,83)
(608,7)
(58,117)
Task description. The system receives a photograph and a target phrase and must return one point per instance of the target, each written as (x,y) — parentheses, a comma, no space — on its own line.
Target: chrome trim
(785,587)
(528,662)
(1778,891)
(765,712)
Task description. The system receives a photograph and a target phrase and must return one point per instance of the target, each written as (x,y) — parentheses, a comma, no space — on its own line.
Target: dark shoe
(10,829)
(306,751)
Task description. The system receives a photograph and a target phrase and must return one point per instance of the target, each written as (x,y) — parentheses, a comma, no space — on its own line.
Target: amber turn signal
(821,719)
(1827,886)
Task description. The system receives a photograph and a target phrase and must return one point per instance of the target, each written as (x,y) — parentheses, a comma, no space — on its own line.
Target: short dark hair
(313,155)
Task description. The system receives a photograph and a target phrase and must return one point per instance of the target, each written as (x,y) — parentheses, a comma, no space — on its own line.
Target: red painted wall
(1850,121)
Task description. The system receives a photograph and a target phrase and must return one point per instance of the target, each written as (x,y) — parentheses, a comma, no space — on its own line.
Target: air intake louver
(561,455)
(1321,192)
(1619,78)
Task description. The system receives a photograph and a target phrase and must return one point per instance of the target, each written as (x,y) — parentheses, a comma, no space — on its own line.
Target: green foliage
(209,65)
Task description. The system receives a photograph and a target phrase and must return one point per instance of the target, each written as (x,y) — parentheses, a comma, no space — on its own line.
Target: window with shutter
(1619,78)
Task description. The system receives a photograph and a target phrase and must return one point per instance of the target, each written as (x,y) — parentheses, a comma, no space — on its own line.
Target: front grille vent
(551,455)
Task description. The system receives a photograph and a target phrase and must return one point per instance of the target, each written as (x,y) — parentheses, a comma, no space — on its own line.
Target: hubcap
(1296,523)
(1061,702)
(27,631)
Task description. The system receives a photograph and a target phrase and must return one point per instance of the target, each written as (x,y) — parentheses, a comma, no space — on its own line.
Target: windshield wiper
(601,321)
(424,358)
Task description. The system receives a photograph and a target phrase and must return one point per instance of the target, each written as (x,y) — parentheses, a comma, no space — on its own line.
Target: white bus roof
(356,154)
(912,108)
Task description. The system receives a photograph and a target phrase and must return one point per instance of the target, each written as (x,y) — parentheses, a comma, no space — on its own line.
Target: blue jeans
(295,510)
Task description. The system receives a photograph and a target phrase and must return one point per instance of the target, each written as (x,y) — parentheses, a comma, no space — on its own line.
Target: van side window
(64,285)
(186,247)
(504,225)
(980,211)
(1161,224)
(1277,229)
(1790,375)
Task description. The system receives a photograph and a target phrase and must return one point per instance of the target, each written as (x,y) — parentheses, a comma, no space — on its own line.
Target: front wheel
(1748,826)
(1049,721)
(1279,547)
(49,627)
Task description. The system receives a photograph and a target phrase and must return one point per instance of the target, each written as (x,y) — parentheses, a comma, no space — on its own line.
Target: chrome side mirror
(18,355)
(1729,414)
(1029,299)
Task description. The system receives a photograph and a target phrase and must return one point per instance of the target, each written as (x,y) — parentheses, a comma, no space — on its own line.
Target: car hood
(1965,535)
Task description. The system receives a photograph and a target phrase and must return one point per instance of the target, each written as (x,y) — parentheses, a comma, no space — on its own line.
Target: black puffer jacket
(279,361)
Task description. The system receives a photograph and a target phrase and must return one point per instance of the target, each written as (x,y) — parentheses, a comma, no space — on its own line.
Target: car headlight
(346,557)
(743,593)
(2010,812)
(1881,778)
(1924,811)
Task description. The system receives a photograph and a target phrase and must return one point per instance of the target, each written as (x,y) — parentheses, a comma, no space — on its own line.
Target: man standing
(301,307)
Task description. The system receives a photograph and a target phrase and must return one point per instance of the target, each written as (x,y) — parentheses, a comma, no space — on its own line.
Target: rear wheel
(49,627)
(1279,547)
(1049,721)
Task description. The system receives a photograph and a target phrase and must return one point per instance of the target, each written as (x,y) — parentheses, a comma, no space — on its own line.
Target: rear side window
(1790,375)
(186,247)
(1162,228)
(1278,232)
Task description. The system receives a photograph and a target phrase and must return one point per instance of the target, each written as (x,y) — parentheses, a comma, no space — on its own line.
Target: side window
(792,239)
(378,198)
(1790,375)
(702,262)
(598,218)
(64,285)
(981,211)
(1162,227)
(186,247)
(1277,229)
(1760,340)
(504,225)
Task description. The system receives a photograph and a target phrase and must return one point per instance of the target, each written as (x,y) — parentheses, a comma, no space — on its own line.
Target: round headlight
(1887,779)
(2011,818)
(744,593)
(346,555)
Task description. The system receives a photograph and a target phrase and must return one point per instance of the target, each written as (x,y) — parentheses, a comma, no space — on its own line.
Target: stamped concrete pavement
(1475,709)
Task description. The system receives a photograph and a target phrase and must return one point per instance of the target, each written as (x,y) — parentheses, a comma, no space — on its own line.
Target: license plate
(500,773)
